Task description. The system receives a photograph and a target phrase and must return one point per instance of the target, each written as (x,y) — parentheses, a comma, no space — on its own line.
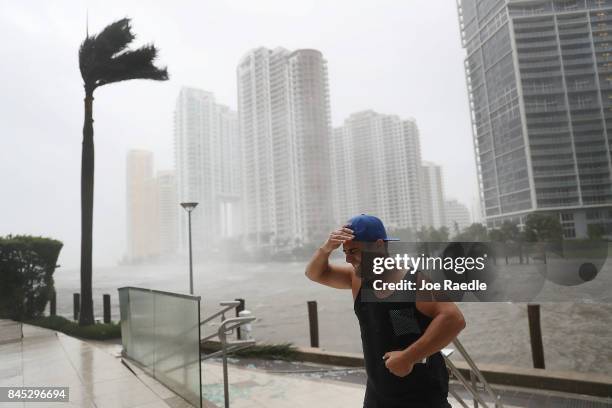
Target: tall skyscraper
(284,117)
(167,212)
(376,166)
(539,77)
(207,163)
(457,216)
(141,215)
(433,195)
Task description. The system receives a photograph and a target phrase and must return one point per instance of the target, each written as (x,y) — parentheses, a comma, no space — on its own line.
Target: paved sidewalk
(95,378)
(254,388)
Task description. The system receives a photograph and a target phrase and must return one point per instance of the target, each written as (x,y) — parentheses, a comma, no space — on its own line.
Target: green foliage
(283,351)
(596,231)
(541,227)
(105,59)
(404,234)
(474,233)
(497,235)
(26,275)
(431,234)
(94,332)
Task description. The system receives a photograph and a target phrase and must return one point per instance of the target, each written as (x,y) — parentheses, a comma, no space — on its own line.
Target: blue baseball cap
(368,228)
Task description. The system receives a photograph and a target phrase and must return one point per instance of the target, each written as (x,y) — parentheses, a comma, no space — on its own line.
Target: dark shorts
(371,400)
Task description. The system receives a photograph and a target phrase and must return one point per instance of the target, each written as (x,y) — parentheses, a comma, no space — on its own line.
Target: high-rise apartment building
(167,212)
(432,187)
(207,160)
(457,216)
(141,215)
(284,117)
(539,77)
(376,162)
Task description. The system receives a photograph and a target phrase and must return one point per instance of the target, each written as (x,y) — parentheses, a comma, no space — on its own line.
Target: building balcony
(577,118)
(584,128)
(557,131)
(603,48)
(551,161)
(603,17)
(553,173)
(581,86)
(556,183)
(589,138)
(601,37)
(552,151)
(534,91)
(604,181)
(534,34)
(552,65)
(594,170)
(526,46)
(587,59)
(567,51)
(540,74)
(579,71)
(547,119)
(526,24)
(597,193)
(531,109)
(571,195)
(525,56)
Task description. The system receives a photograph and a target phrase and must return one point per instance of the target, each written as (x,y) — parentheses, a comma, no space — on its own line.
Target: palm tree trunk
(87,196)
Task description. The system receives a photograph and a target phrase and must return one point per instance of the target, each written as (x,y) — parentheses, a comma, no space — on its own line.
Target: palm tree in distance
(104,59)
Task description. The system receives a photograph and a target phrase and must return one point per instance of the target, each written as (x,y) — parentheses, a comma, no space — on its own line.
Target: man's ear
(379,243)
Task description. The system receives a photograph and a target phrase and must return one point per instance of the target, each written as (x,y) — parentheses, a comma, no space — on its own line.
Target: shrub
(26,275)
(95,332)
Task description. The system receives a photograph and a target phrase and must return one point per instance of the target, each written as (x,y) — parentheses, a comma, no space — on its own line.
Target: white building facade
(207,162)
(434,214)
(284,120)
(376,162)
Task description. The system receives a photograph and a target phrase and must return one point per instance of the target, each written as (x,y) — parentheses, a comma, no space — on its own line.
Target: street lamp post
(189,207)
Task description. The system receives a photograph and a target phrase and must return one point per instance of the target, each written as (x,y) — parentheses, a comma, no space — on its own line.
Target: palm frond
(136,64)
(104,58)
(114,38)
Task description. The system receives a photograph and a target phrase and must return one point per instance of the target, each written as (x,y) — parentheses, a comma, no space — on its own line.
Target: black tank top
(394,324)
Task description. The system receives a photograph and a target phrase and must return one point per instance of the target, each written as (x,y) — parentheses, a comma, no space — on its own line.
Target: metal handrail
(475,371)
(228,306)
(226,327)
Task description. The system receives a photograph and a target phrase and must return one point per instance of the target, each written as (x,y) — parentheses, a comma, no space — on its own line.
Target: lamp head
(189,206)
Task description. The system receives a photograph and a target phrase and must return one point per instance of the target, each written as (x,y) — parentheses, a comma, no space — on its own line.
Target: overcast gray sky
(394,56)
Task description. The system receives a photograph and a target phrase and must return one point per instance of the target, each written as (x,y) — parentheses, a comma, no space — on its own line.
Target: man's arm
(320,270)
(447,322)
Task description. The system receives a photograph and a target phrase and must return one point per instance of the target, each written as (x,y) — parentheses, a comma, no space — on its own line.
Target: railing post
(239,309)
(313,320)
(52,303)
(535,335)
(106,307)
(76,305)
(475,386)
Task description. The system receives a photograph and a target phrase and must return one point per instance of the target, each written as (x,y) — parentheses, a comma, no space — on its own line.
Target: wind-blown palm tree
(104,59)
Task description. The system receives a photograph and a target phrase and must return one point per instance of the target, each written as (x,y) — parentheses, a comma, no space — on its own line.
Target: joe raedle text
(447,285)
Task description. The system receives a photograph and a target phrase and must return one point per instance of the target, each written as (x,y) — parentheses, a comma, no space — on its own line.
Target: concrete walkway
(95,378)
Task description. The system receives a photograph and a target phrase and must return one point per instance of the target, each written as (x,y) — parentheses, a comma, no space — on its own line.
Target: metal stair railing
(226,328)
(472,385)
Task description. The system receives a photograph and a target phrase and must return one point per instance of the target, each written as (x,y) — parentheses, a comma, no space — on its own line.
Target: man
(401,339)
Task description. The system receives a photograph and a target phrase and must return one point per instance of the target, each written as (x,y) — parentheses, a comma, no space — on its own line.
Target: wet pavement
(45,358)
(97,378)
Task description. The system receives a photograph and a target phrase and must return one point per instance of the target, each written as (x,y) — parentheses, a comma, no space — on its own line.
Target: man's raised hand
(337,238)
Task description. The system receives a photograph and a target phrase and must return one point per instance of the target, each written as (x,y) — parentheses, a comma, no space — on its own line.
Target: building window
(593,215)
(569,233)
